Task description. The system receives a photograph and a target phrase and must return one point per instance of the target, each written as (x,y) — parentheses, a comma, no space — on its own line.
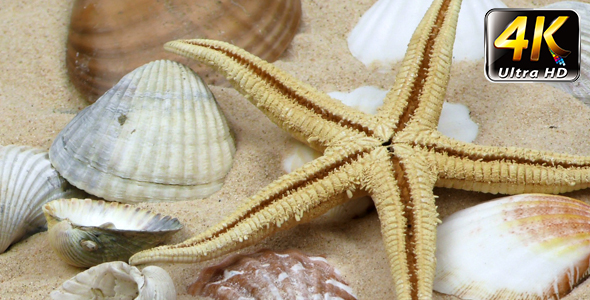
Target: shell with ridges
(109,38)
(85,233)
(530,246)
(118,280)
(384,31)
(27,181)
(158,135)
(581,87)
(267,274)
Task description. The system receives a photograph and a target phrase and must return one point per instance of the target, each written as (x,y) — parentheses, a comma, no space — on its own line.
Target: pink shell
(267,274)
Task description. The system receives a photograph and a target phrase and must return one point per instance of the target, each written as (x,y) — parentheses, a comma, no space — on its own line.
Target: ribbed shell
(529,246)
(27,181)
(382,34)
(118,280)
(272,275)
(158,135)
(109,38)
(581,87)
(86,233)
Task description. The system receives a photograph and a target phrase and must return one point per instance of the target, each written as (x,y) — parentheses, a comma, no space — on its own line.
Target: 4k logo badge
(532,45)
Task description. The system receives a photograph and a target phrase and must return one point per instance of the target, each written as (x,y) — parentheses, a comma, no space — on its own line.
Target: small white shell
(118,280)
(86,233)
(158,135)
(530,246)
(384,31)
(27,181)
(581,87)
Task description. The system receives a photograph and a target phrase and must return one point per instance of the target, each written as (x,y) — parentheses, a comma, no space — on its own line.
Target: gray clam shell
(27,181)
(158,135)
(86,233)
(118,280)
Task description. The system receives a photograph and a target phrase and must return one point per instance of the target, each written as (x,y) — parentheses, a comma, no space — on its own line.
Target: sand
(37,101)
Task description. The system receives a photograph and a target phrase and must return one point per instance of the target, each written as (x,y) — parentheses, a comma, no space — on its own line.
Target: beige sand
(36,101)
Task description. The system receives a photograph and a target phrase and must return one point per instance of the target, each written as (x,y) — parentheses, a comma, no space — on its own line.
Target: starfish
(396,156)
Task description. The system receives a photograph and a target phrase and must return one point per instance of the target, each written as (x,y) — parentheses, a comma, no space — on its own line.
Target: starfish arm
(506,170)
(309,115)
(420,86)
(292,199)
(401,187)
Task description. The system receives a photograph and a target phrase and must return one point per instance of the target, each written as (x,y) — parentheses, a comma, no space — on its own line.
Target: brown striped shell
(109,38)
(272,275)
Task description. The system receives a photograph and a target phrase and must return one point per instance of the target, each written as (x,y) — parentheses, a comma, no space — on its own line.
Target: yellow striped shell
(158,135)
(86,233)
(529,246)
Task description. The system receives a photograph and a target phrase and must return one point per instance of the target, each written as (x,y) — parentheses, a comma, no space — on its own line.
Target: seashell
(455,122)
(118,280)
(581,87)
(86,233)
(382,34)
(530,246)
(109,38)
(27,181)
(272,275)
(158,135)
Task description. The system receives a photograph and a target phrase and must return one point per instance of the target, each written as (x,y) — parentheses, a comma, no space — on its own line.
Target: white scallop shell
(529,246)
(581,87)
(118,280)
(158,135)
(86,233)
(27,181)
(383,33)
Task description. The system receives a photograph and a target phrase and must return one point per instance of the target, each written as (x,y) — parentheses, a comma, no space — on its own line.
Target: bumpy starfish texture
(397,156)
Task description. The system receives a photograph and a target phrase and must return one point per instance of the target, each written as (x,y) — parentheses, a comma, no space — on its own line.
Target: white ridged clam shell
(529,246)
(581,87)
(86,233)
(158,135)
(384,31)
(27,181)
(118,280)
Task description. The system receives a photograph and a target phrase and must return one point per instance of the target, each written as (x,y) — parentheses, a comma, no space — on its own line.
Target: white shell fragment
(530,246)
(27,181)
(158,135)
(581,87)
(118,280)
(456,123)
(86,233)
(365,98)
(383,32)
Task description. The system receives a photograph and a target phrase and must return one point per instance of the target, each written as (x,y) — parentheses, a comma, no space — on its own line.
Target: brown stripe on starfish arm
(437,142)
(508,177)
(284,99)
(381,183)
(419,176)
(292,199)
(421,83)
